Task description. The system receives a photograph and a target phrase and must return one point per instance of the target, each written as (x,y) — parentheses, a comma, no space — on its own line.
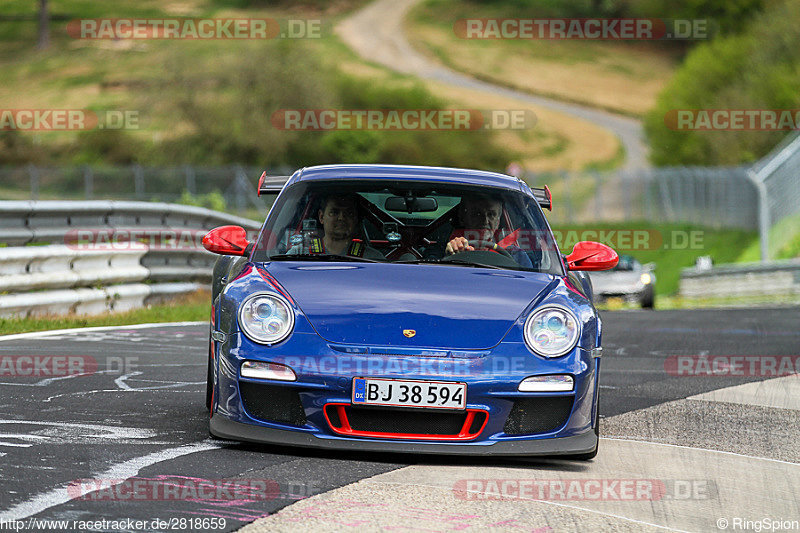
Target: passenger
(338,216)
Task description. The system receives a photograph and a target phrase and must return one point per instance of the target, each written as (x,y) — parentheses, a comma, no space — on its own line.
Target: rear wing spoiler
(271,184)
(544,197)
(274,185)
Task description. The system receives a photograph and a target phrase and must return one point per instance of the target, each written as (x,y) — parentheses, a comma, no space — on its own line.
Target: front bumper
(576,444)
(303,414)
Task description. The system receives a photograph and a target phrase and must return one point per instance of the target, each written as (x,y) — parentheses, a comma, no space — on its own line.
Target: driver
(338,216)
(480,216)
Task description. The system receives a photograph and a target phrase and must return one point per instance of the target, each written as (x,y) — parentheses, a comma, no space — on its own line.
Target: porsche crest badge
(409,332)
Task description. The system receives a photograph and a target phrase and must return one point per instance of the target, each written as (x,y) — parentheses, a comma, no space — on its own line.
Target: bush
(759,69)
(227,110)
(213,200)
(727,15)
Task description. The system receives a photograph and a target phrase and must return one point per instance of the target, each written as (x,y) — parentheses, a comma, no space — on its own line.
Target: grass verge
(672,247)
(678,302)
(783,239)
(192,307)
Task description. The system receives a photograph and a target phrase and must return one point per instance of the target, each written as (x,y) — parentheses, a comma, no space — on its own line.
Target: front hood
(371,304)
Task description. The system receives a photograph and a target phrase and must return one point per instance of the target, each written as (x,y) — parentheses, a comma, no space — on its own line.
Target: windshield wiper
(427,261)
(320,257)
(446,261)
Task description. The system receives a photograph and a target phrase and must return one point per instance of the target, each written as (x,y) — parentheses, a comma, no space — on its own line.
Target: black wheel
(209,375)
(592,454)
(648,297)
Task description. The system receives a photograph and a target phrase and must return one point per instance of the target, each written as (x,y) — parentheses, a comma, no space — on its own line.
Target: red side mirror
(226,240)
(589,255)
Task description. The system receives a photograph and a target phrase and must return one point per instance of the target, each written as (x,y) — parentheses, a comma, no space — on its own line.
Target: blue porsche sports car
(403,308)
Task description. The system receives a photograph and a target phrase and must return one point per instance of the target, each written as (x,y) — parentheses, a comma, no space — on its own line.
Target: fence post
(88,182)
(191,184)
(33,173)
(763,214)
(138,180)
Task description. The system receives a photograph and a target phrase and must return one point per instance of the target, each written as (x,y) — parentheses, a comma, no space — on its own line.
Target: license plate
(409,393)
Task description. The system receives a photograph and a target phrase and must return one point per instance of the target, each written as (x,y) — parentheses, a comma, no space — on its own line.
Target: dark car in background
(630,280)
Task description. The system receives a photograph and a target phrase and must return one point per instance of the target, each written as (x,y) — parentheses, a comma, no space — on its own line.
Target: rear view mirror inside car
(411,205)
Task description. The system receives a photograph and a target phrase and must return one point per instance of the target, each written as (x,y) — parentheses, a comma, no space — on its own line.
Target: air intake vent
(273,403)
(419,424)
(538,415)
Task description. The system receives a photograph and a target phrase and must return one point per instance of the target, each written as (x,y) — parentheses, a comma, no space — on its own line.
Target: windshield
(411,222)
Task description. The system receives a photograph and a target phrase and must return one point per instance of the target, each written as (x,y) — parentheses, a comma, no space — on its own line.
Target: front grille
(272,403)
(413,423)
(538,415)
(390,421)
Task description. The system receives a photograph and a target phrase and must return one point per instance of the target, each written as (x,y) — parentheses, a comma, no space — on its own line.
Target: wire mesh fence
(750,198)
(236,184)
(708,196)
(776,178)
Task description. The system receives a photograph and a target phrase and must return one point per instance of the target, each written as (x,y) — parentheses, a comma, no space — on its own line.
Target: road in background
(376,33)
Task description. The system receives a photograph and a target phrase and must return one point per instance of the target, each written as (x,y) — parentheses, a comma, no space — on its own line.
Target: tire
(209,376)
(648,297)
(592,454)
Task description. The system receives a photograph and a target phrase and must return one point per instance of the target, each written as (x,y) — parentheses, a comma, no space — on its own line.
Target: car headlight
(552,331)
(266,318)
(645,278)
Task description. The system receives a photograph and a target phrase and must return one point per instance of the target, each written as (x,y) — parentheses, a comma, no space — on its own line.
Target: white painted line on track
(121,381)
(730,485)
(47,333)
(626,439)
(777,393)
(100,431)
(119,472)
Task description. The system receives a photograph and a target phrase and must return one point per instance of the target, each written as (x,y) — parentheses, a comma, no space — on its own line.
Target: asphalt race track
(137,414)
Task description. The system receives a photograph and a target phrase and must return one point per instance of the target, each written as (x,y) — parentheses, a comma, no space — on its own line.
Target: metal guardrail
(26,268)
(25,222)
(47,267)
(777,278)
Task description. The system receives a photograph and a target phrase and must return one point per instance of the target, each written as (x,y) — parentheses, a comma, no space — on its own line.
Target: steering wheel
(493,247)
